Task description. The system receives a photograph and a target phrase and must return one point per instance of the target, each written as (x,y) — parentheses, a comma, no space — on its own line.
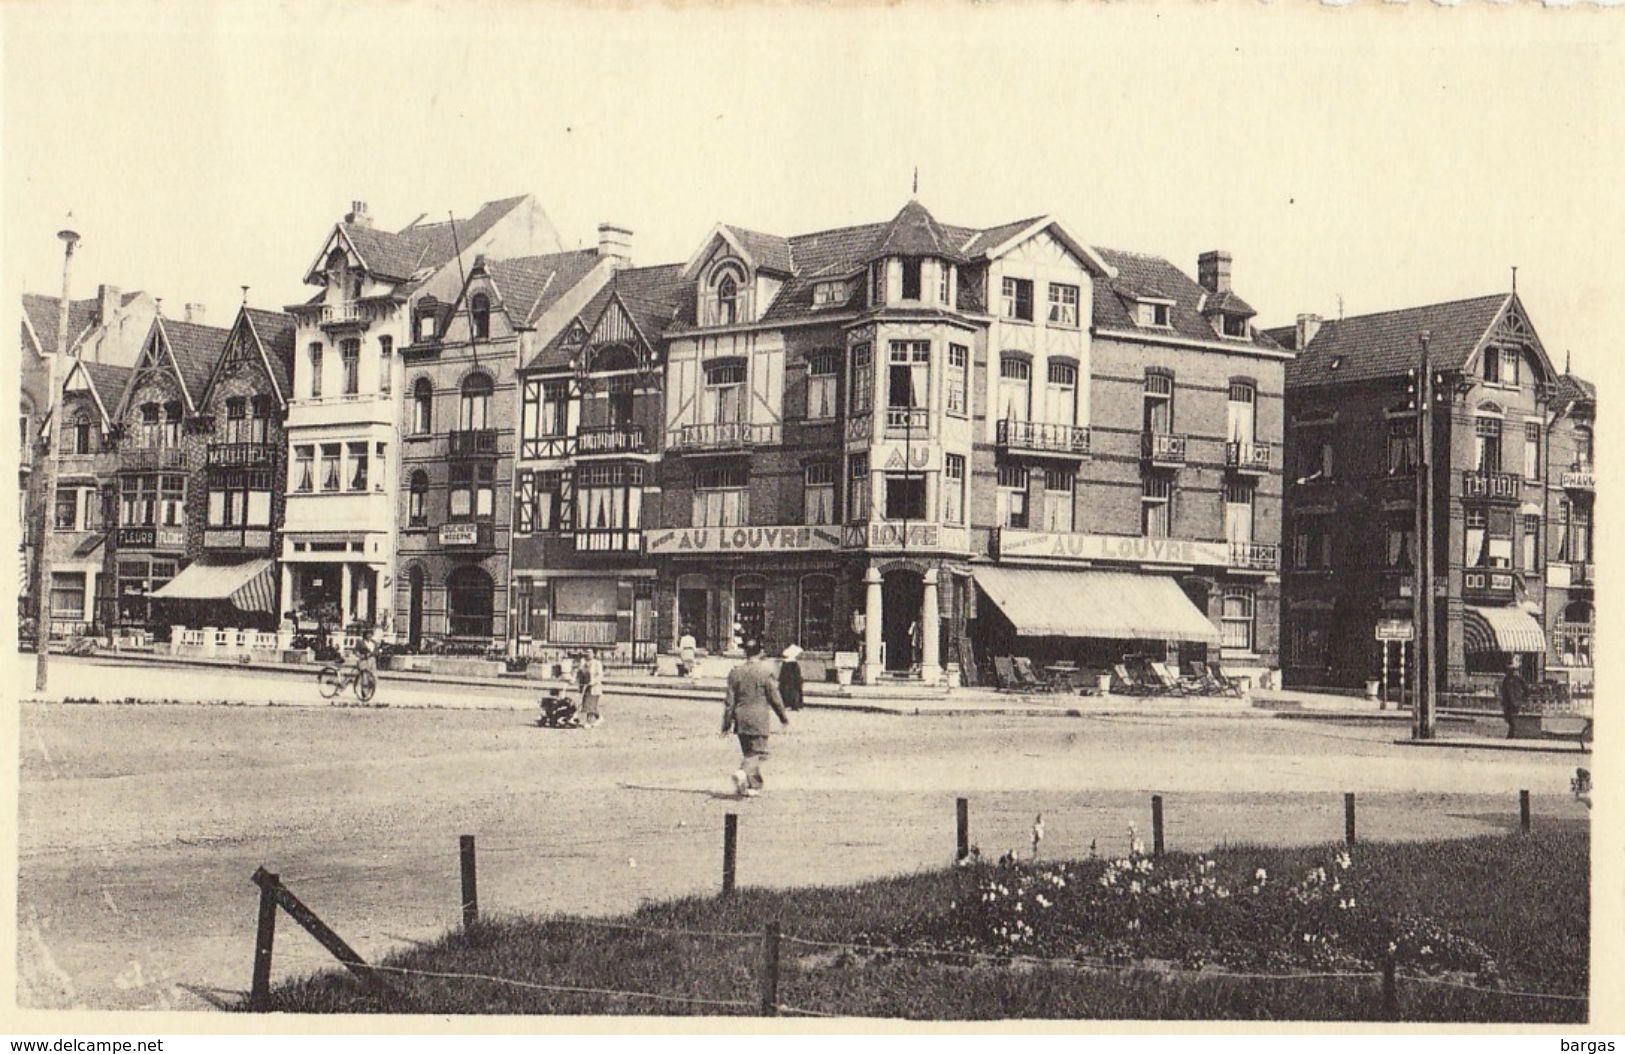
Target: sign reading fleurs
(743,539)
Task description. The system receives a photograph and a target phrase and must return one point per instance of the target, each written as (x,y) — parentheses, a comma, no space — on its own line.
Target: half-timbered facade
(589,473)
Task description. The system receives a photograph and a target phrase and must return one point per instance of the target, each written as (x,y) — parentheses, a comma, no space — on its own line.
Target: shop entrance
(901,594)
(750,609)
(692,605)
(414,608)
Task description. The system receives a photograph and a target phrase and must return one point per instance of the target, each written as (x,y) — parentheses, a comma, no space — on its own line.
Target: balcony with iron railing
(151,459)
(1254,556)
(1479,583)
(1504,486)
(344,313)
(1247,458)
(1163,449)
(475,442)
(1582,475)
(242,455)
(598,440)
(1041,437)
(721,437)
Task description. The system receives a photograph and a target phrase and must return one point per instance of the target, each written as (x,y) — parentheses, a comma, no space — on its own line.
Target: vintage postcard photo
(918,514)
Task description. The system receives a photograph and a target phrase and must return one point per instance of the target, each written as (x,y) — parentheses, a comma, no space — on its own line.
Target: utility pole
(46,515)
(1422,603)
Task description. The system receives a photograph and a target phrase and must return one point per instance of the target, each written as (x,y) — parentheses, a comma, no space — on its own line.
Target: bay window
(329,470)
(861,393)
(958,380)
(304,471)
(905,496)
(908,383)
(358,466)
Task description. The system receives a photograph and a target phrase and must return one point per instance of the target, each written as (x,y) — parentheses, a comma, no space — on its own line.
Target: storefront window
(817,613)
(469,602)
(68,595)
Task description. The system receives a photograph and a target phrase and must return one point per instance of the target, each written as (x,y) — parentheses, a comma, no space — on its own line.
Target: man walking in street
(752,702)
(590,678)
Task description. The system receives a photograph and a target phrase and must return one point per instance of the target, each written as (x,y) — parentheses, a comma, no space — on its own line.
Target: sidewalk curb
(1516,746)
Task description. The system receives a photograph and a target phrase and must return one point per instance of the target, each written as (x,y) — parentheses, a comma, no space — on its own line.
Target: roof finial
(1339,307)
(1514,278)
(245,296)
(916,180)
(1566,354)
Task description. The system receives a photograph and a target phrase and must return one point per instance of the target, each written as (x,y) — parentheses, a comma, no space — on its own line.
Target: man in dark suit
(752,703)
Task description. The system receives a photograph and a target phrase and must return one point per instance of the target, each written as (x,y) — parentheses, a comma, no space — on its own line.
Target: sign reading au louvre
(1052,545)
(743,539)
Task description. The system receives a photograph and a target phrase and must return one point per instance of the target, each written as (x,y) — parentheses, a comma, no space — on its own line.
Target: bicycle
(331,680)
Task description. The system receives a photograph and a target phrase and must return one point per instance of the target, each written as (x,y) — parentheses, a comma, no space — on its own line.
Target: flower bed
(1191,913)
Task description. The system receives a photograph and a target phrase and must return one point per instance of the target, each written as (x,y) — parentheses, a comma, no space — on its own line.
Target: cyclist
(366,653)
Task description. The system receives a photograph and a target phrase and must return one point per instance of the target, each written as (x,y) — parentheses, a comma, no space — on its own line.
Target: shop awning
(1508,630)
(1104,604)
(250,586)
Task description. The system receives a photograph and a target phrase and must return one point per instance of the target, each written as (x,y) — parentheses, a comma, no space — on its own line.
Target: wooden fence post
(730,850)
(1156,825)
(320,930)
(1348,817)
(962,809)
(770,970)
(471,896)
(259,993)
(1523,810)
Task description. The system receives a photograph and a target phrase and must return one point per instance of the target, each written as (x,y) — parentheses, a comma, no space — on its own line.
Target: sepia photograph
(912,514)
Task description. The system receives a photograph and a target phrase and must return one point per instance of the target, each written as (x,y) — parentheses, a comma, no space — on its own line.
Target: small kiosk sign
(1393,629)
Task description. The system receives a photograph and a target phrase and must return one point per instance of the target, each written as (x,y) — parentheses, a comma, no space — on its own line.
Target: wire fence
(770,973)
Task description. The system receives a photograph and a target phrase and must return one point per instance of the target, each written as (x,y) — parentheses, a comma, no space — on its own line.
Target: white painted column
(284,632)
(930,631)
(872,613)
(344,596)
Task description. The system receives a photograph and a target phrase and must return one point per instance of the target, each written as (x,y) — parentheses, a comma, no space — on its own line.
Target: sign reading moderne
(743,540)
(1052,545)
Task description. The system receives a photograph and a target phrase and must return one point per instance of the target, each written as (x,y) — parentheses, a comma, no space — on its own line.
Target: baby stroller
(558,711)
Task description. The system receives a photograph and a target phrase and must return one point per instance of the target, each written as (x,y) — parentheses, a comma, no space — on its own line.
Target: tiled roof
(1229,303)
(44,311)
(109,381)
(195,348)
(770,251)
(980,242)
(915,232)
(529,285)
(1576,388)
(400,254)
(822,256)
(1369,347)
(1140,275)
(276,333)
(652,296)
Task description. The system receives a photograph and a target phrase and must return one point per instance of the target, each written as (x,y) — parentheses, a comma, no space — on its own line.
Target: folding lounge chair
(1028,677)
(1226,685)
(1005,671)
(1165,680)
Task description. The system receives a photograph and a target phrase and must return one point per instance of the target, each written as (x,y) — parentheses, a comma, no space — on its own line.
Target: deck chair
(1198,681)
(1226,685)
(1005,671)
(1029,678)
(1164,679)
(1126,683)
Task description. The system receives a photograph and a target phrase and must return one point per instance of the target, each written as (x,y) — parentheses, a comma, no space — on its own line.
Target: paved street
(140,824)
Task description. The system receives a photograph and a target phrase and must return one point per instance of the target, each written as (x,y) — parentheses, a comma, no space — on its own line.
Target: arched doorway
(414,608)
(901,594)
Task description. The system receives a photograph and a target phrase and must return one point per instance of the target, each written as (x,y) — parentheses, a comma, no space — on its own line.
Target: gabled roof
(914,232)
(1228,303)
(398,255)
(1141,276)
(271,334)
(770,252)
(41,314)
(1576,389)
(651,297)
(187,348)
(1370,347)
(527,286)
(106,382)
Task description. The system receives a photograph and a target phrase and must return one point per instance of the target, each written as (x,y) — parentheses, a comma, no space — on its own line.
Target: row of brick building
(916,443)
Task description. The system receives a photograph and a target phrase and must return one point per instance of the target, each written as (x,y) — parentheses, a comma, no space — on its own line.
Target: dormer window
(830,294)
(1156,313)
(428,321)
(730,297)
(1234,326)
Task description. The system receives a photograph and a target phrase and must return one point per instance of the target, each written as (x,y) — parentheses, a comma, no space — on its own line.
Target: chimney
(615,242)
(1308,326)
(358,216)
(108,303)
(194,314)
(1213,271)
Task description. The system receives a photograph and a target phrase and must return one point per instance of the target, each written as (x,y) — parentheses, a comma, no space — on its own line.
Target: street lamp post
(1423,607)
(46,502)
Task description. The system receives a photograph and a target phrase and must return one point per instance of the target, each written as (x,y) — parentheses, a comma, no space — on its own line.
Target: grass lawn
(1141,939)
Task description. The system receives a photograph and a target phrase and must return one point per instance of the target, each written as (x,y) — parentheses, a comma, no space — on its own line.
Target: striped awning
(1506,630)
(1108,605)
(249,585)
